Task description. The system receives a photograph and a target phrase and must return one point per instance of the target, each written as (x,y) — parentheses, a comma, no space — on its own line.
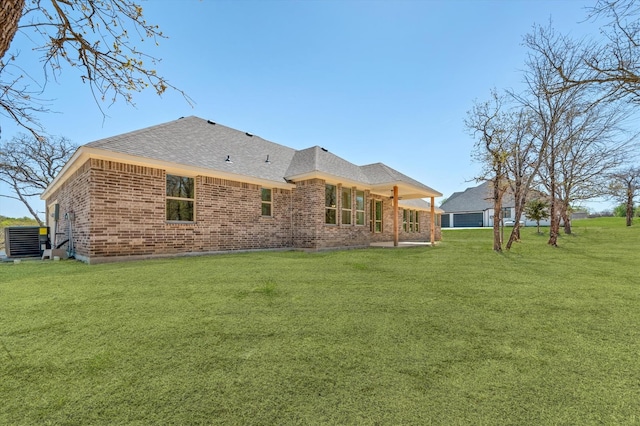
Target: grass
(451,335)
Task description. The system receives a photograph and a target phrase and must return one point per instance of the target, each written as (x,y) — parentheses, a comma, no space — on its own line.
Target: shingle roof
(316,159)
(199,143)
(379,173)
(475,199)
(192,141)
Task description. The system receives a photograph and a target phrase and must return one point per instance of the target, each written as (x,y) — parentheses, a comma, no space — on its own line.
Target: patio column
(395,216)
(433,221)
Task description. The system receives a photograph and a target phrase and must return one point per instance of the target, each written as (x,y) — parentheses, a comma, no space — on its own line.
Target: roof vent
(211,122)
(324,149)
(228,160)
(248,134)
(267,160)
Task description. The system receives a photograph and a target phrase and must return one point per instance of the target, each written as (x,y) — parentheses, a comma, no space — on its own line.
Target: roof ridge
(137,131)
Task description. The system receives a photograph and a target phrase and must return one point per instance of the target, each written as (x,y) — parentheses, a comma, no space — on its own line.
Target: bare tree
(29,164)
(597,144)
(489,123)
(522,164)
(624,187)
(95,37)
(551,108)
(613,66)
(587,139)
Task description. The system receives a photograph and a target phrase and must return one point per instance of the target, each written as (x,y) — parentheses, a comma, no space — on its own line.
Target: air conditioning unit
(26,241)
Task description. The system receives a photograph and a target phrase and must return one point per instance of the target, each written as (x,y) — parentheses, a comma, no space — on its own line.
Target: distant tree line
(567,134)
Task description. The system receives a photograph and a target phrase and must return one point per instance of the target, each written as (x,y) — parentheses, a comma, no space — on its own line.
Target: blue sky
(371,81)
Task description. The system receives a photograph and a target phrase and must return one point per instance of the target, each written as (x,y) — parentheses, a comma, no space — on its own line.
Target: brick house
(473,207)
(194,186)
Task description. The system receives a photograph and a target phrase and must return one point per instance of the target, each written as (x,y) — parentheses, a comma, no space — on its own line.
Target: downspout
(433,221)
(395,216)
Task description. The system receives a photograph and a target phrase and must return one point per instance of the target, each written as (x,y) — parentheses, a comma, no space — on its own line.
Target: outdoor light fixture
(228,160)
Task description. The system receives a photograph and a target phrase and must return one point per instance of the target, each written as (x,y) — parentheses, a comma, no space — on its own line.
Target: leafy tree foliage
(621,210)
(537,210)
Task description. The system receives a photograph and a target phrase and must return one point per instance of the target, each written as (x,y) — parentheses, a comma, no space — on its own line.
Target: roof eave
(405,190)
(84,153)
(329,178)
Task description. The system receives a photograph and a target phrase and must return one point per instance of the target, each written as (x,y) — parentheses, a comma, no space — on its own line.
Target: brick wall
(307,212)
(343,235)
(74,202)
(310,229)
(424,221)
(120,211)
(125,214)
(127,210)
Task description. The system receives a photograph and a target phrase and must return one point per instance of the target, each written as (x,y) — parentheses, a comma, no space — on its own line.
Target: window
(376,215)
(266,202)
(330,198)
(410,221)
(359,207)
(506,212)
(346,206)
(180,198)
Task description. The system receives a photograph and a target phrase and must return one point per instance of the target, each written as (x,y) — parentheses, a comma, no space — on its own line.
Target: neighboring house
(194,186)
(473,207)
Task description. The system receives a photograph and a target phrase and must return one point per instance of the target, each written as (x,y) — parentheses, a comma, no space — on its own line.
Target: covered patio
(401,244)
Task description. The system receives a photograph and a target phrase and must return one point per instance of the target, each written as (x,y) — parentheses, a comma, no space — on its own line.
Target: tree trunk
(10,14)
(31,210)
(520,200)
(629,205)
(515,234)
(497,215)
(567,223)
(554,224)
(554,230)
(563,213)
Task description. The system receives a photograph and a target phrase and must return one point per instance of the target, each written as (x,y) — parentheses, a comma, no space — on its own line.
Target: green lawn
(451,335)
